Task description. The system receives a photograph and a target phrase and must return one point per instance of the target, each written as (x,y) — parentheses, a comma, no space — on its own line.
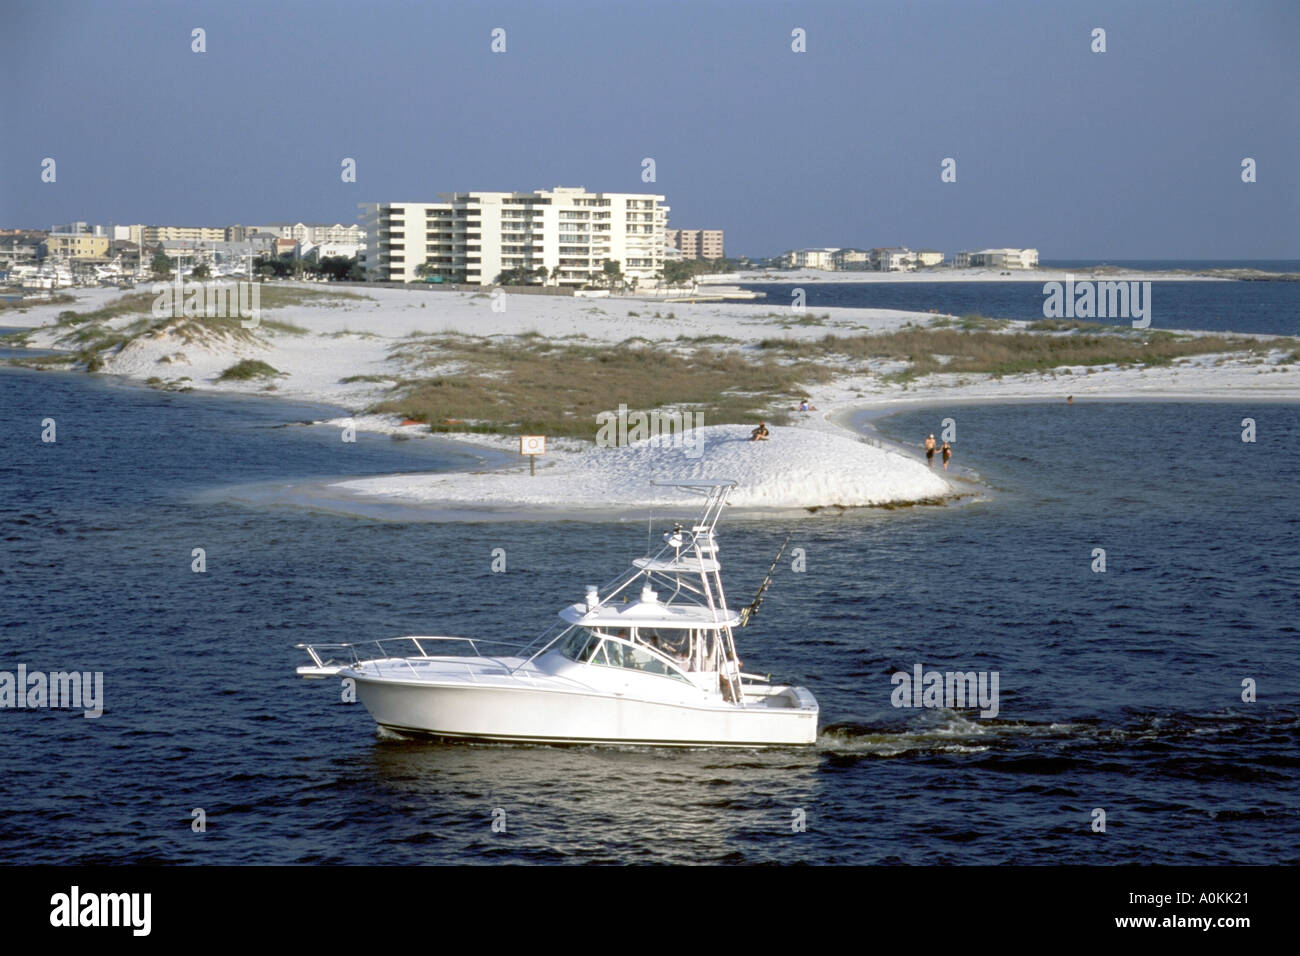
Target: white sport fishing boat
(649,659)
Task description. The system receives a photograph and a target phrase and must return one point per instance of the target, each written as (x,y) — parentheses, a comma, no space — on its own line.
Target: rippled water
(1119,690)
(1271,308)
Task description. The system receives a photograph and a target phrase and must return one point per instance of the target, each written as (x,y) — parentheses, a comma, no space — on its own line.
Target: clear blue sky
(1134,153)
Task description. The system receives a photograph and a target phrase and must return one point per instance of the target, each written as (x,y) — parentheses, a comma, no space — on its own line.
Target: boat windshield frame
(589,654)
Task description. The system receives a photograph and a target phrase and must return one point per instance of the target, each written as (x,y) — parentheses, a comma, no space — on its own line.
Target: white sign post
(532,446)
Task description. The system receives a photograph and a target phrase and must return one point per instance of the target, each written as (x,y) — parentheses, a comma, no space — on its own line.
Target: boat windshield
(593,647)
(634,658)
(580,645)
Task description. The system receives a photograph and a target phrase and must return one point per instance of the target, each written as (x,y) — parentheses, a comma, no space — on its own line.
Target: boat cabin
(684,654)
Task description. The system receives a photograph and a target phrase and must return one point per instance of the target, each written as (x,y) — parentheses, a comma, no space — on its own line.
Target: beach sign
(532,446)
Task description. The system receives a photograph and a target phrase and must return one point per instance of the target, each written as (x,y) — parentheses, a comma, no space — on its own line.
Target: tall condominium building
(473,237)
(697,243)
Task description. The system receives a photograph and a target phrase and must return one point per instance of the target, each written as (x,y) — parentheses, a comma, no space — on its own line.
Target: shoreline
(827,460)
(1097,273)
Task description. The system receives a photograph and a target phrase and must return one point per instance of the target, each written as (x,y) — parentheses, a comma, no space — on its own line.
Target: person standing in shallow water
(947,453)
(929,451)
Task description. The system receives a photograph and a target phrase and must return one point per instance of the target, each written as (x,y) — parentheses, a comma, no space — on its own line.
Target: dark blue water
(1271,308)
(1119,690)
(1157,265)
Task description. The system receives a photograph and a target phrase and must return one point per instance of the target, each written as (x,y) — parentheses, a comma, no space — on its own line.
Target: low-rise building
(76,245)
(813,258)
(332,250)
(851,260)
(892,259)
(151,235)
(313,233)
(18,247)
(927,258)
(997,259)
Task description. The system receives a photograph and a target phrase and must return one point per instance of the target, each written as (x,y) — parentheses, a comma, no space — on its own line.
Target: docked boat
(649,659)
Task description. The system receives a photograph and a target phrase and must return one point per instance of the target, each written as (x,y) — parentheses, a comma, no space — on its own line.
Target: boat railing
(360,652)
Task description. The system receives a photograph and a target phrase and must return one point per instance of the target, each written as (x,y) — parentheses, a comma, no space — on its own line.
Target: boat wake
(948,732)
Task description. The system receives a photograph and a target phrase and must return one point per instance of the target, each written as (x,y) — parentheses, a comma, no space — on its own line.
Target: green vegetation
(968,323)
(336,268)
(1071,325)
(21,305)
(94,334)
(809,319)
(181,384)
(526,384)
(558,389)
(248,368)
(681,272)
(365,378)
(708,340)
(1010,353)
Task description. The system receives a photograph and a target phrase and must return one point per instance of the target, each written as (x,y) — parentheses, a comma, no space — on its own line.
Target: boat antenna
(748,612)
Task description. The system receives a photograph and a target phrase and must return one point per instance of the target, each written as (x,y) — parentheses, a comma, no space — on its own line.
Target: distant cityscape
(902,259)
(564,237)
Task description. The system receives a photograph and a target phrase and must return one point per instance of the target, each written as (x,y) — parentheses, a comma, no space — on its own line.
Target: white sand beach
(814,462)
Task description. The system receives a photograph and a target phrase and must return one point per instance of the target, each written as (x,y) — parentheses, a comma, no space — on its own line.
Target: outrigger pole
(748,612)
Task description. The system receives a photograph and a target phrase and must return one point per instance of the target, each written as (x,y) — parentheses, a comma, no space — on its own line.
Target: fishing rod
(748,612)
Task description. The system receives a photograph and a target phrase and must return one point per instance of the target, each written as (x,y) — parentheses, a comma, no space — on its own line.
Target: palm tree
(613,272)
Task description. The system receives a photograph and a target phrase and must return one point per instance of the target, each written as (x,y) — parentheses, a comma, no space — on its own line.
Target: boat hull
(528,715)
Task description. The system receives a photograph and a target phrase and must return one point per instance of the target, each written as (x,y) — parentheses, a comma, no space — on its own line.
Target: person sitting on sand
(805,407)
(929,451)
(760,433)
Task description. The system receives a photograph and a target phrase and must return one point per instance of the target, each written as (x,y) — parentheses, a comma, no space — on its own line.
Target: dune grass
(22,305)
(558,389)
(246,369)
(1010,353)
(516,385)
(96,334)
